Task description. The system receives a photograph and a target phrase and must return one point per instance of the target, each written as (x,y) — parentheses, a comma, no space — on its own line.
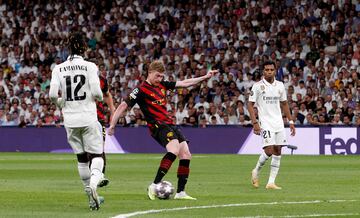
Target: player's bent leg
(97,164)
(183,172)
(83,168)
(104,181)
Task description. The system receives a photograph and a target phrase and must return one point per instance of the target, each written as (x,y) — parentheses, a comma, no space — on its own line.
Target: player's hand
(292,129)
(257,129)
(111,130)
(211,73)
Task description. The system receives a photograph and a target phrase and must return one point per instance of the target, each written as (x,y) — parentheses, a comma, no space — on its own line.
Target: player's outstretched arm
(285,108)
(119,111)
(189,82)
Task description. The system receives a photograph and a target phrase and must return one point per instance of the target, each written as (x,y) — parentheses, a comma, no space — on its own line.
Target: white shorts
(86,139)
(273,138)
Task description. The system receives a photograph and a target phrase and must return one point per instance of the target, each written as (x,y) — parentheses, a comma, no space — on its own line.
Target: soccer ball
(164,190)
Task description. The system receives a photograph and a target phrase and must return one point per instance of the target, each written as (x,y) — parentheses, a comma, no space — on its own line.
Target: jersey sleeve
(93,75)
(168,85)
(54,77)
(283,93)
(253,93)
(54,84)
(133,97)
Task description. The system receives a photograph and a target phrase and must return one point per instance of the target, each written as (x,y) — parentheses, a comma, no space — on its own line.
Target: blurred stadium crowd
(315,45)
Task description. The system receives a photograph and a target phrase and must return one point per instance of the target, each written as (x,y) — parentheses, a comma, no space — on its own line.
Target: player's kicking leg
(183,172)
(165,164)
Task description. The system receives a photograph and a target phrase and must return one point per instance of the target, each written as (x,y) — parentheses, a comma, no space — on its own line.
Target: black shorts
(164,133)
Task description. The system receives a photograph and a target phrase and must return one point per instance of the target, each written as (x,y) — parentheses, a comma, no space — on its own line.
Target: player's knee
(277,150)
(83,157)
(185,155)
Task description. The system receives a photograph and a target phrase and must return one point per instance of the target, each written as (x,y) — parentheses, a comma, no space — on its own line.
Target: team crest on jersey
(152,94)
(262,87)
(163,91)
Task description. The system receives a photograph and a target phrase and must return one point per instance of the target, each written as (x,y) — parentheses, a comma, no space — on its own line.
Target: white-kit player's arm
(94,83)
(54,89)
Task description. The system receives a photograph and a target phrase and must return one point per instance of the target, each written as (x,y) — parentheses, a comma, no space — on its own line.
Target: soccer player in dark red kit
(101,113)
(151,97)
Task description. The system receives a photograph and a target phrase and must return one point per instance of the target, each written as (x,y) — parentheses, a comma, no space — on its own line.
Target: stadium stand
(315,45)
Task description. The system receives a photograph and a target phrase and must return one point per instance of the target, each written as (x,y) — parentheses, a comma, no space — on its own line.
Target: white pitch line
(299,216)
(125,215)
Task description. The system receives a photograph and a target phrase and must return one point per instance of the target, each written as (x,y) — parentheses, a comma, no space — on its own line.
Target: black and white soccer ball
(164,190)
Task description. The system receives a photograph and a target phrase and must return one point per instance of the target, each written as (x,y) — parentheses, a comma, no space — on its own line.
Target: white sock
(97,165)
(261,162)
(84,173)
(275,165)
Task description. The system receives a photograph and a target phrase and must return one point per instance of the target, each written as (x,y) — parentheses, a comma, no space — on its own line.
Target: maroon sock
(183,174)
(165,165)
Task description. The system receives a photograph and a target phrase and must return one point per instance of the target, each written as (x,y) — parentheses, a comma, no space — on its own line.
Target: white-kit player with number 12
(269,96)
(79,84)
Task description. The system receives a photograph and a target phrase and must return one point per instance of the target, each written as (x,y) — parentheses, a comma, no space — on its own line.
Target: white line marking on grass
(136,213)
(298,216)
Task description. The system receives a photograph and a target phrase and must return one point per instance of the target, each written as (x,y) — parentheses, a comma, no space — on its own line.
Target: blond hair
(157,66)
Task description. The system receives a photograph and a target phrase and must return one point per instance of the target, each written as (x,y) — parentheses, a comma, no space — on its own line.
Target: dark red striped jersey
(152,102)
(100,105)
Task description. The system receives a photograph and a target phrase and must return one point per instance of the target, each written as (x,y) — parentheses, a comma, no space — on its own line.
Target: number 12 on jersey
(74,95)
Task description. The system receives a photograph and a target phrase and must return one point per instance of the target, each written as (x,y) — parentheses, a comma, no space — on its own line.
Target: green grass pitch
(48,185)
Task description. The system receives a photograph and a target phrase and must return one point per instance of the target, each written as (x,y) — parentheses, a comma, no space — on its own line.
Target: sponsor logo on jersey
(159,102)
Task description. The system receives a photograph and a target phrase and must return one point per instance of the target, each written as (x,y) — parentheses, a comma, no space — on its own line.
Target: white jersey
(75,79)
(267,98)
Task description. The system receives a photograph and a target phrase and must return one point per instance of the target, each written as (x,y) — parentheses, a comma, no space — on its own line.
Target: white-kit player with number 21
(269,97)
(79,84)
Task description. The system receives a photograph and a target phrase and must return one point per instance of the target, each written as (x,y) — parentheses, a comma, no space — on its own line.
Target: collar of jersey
(267,83)
(149,84)
(75,56)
